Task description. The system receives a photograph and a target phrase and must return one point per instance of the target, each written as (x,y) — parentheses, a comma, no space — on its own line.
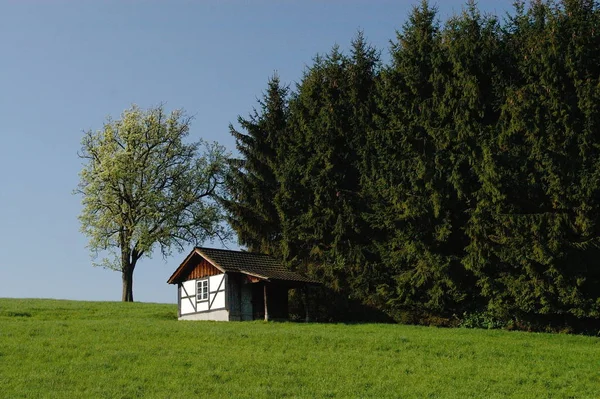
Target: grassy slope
(66,349)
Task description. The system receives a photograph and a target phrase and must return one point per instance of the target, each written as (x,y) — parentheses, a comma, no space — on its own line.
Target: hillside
(70,349)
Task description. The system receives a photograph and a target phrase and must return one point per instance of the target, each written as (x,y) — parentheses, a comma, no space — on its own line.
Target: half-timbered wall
(189,304)
(187,294)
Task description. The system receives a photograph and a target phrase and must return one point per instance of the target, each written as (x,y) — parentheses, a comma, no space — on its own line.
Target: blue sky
(66,65)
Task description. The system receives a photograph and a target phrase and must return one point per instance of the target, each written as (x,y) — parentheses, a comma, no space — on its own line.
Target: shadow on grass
(329,306)
(10,313)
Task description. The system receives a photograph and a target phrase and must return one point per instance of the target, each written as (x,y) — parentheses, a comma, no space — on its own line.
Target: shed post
(306,305)
(266,307)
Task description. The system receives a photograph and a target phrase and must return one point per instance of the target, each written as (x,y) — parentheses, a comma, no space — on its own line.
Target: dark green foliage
(320,201)
(408,188)
(535,237)
(481,320)
(252,181)
(463,178)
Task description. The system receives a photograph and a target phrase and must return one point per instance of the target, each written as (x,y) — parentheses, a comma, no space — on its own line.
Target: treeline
(459,182)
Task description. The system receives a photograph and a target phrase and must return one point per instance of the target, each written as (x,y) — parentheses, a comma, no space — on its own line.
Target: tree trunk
(127,276)
(128,261)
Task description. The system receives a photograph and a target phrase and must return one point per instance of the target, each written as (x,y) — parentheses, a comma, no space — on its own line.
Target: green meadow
(71,349)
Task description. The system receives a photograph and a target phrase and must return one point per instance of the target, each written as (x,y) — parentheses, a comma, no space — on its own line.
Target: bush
(482,319)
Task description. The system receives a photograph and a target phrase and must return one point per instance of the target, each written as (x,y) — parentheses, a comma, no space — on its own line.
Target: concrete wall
(216,315)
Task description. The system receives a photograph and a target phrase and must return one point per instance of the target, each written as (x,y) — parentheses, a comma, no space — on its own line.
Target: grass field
(69,349)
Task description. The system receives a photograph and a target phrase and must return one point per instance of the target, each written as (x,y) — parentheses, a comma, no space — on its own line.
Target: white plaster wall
(186,306)
(202,306)
(217,315)
(218,300)
(190,287)
(214,281)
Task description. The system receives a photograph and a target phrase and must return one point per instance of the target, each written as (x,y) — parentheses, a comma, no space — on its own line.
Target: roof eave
(254,275)
(174,277)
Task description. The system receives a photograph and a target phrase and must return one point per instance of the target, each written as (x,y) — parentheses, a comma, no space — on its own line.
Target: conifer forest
(458,181)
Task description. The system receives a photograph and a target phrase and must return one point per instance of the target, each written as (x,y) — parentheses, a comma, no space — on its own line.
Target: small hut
(218,284)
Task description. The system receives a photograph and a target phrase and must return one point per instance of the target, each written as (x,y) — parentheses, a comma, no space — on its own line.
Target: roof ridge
(234,251)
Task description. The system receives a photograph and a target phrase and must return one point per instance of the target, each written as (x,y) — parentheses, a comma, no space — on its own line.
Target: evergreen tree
(330,116)
(539,247)
(253,179)
(462,177)
(440,106)
(405,184)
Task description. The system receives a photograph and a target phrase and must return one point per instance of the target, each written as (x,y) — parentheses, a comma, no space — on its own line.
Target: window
(202,290)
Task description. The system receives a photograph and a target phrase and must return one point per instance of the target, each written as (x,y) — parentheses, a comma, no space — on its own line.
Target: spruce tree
(329,117)
(538,248)
(405,185)
(462,177)
(253,181)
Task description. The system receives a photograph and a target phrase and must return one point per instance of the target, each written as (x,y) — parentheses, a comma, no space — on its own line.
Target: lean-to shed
(218,284)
